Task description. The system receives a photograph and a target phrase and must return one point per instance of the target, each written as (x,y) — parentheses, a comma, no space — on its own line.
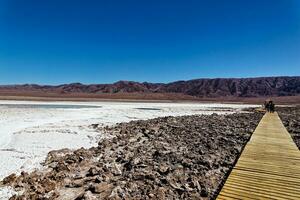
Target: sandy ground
(29,130)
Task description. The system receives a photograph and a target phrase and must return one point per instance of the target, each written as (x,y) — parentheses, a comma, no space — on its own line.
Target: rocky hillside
(212,88)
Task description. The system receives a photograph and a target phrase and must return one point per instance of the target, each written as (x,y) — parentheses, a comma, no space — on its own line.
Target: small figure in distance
(267,105)
(271,106)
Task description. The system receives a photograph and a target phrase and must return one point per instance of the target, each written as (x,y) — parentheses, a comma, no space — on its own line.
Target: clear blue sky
(62,41)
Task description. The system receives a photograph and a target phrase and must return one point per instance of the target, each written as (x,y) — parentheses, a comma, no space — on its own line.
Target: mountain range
(197,88)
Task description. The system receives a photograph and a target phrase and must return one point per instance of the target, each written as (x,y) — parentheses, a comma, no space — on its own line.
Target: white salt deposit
(29,130)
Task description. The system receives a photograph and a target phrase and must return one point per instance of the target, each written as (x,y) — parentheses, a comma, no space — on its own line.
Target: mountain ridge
(200,88)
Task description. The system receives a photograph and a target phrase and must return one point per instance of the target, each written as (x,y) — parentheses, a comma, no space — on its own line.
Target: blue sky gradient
(54,41)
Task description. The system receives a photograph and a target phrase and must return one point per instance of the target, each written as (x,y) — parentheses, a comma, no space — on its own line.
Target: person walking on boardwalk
(271,106)
(267,105)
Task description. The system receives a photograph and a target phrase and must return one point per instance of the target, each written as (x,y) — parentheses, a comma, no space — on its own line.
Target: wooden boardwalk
(269,167)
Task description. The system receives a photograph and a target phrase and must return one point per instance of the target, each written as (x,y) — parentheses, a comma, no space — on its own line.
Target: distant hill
(199,88)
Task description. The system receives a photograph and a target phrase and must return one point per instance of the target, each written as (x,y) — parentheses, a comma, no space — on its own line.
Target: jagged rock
(117,193)
(48,185)
(116,169)
(161,193)
(9,179)
(101,187)
(77,183)
(93,171)
(89,196)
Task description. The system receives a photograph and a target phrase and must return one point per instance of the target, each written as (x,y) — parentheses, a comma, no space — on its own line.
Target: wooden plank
(269,166)
(253,185)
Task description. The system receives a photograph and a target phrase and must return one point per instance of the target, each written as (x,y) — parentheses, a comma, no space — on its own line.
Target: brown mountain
(203,88)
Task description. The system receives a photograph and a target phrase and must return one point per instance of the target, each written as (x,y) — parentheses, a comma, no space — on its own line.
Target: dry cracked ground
(185,157)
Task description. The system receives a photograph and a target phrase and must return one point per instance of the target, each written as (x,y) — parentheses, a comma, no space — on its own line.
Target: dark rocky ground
(290,117)
(164,158)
